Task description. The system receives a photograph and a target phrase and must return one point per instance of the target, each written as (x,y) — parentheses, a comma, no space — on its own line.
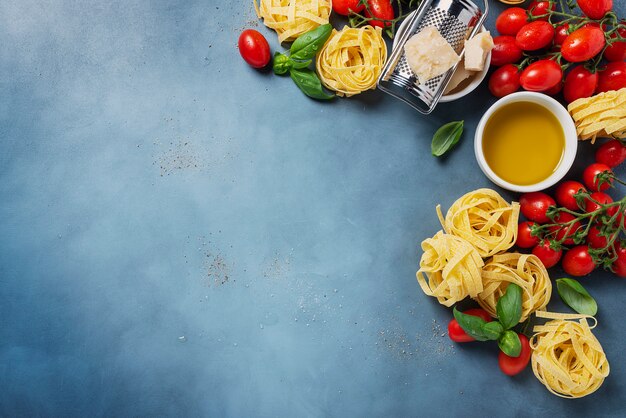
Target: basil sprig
(306,46)
(309,83)
(509,306)
(576,297)
(510,344)
(446,137)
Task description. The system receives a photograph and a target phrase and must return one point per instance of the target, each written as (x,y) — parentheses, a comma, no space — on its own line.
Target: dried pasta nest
(292,18)
(567,358)
(526,271)
(483,218)
(452,267)
(352,59)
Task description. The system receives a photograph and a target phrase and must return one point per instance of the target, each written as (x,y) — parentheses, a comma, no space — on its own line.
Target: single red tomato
(565,231)
(565,194)
(596,199)
(547,255)
(534,206)
(619,265)
(345,7)
(541,75)
(254,48)
(524,237)
(561,33)
(534,35)
(505,80)
(457,334)
(595,9)
(594,239)
(579,83)
(539,8)
(578,262)
(514,365)
(595,183)
(617,50)
(612,153)
(511,20)
(381,9)
(613,77)
(583,44)
(505,51)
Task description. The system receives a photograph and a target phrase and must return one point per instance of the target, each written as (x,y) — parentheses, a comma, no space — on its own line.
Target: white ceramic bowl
(569,130)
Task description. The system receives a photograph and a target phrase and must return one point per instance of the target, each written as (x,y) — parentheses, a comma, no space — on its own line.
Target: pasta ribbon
(292,18)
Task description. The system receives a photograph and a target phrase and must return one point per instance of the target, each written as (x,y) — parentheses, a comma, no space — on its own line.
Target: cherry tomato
(579,83)
(599,198)
(612,78)
(254,48)
(583,44)
(541,75)
(578,261)
(534,206)
(562,32)
(514,365)
(619,265)
(617,50)
(511,20)
(538,8)
(534,35)
(505,80)
(565,194)
(547,255)
(564,231)
(457,334)
(381,9)
(344,7)
(524,237)
(590,177)
(595,9)
(594,239)
(612,153)
(505,51)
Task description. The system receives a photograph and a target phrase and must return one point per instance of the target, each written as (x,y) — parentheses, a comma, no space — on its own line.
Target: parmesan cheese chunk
(429,54)
(476,50)
(459,76)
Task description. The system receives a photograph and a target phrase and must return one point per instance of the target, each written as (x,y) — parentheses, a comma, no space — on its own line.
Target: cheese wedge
(476,50)
(429,54)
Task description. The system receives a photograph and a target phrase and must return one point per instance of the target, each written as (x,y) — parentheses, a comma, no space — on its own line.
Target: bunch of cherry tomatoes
(537,45)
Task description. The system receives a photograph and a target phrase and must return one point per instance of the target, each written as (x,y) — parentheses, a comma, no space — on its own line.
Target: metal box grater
(456,20)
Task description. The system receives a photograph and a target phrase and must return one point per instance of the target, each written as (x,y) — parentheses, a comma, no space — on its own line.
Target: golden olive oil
(523,143)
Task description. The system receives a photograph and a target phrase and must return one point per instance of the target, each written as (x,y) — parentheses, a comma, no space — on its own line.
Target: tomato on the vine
(505,80)
(561,33)
(534,206)
(457,334)
(594,239)
(578,262)
(595,9)
(564,230)
(540,8)
(612,153)
(565,194)
(617,50)
(524,237)
(547,255)
(534,35)
(579,83)
(613,77)
(541,75)
(381,9)
(514,365)
(344,7)
(583,44)
(254,48)
(505,51)
(592,174)
(619,265)
(596,199)
(511,20)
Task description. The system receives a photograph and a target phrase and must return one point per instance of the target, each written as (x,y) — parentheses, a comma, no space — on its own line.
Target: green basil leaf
(281,63)
(510,344)
(473,326)
(509,306)
(309,83)
(307,44)
(576,297)
(493,330)
(301,64)
(446,137)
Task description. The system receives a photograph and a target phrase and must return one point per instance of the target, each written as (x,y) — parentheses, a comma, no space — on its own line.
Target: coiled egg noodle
(352,59)
(452,266)
(567,358)
(292,18)
(483,218)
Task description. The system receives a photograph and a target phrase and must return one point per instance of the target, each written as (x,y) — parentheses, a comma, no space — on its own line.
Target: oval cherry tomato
(534,206)
(564,231)
(514,365)
(534,35)
(612,153)
(595,9)
(579,83)
(561,33)
(592,181)
(599,198)
(344,7)
(538,8)
(594,239)
(511,20)
(505,51)
(578,262)
(612,78)
(541,75)
(524,237)
(254,48)
(565,194)
(457,334)
(547,255)
(505,80)
(583,44)
(619,265)
(617,50)
(381,9)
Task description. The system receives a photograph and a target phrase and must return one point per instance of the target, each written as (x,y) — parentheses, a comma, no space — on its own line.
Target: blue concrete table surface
(182,235)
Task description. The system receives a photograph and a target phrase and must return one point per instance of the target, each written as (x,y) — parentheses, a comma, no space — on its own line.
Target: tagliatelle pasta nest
(452,267)
(602,115)
(292,18)
(352,59)
(483,218)
(567,358)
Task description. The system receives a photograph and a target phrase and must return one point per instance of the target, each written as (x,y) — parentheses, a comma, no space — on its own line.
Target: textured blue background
(181,235)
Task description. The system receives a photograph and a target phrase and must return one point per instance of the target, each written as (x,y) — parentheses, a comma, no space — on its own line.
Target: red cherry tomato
(538,8)
(534,35)
(590,177)
(583,44)
(511,20)
(617,51)
(541,75)
(457,334)
(612,153)
(619,265)
(524,237)
(547,255)
(577,261)
(599,198)
(254,48)
(534,206)
(505,80)
(565,194)
(595,9)
(579,83)
(381,9)
(505,51)
(564,231)
(612,78)
(594,239)
(561,33)
(514,365)
(344,7)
